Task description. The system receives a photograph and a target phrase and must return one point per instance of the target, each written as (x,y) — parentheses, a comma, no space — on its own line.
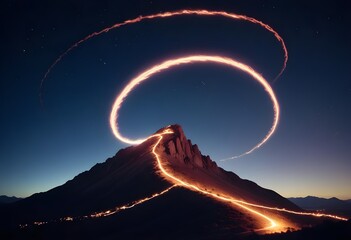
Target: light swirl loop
(187,60)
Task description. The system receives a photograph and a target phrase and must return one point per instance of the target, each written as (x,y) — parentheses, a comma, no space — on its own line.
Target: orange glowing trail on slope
(186,60)
(195,188)
(103,213)
(167,15)
(242,204)
(292,212)
(130,205)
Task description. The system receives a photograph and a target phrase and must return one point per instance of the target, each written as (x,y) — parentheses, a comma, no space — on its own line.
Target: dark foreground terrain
(326,230)
(157,227)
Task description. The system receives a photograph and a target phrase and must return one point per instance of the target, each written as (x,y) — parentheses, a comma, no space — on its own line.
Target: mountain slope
(126,177)
(186,162)
(181,214)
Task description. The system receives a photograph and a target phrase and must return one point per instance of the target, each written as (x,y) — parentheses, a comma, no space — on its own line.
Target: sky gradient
(222,110)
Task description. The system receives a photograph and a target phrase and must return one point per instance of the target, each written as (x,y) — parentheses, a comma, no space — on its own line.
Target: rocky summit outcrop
(185,161)
(181,149)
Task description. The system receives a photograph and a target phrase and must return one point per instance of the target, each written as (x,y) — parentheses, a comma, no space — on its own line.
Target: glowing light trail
(128,206)
(167,15)
(273,224)
(195,188)
(186,60)
(104,213)
(242,204)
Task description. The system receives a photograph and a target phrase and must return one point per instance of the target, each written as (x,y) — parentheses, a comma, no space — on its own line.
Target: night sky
(222,110)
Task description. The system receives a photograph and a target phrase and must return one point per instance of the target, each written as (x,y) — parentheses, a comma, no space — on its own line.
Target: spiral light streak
(199,12)
(273,224)
(187,60)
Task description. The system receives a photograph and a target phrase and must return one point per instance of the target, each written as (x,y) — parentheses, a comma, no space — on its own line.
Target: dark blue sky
(220,109)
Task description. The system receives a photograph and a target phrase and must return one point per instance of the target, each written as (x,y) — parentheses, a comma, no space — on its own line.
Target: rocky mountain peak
(178,147)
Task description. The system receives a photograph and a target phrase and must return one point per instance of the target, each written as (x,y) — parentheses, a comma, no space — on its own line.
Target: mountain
(5,199)
(317,203)
(332,205)
(162,188)
(127,176)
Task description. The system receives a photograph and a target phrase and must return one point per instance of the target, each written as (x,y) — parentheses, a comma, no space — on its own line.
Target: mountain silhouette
(331,205)
(134,174)
(6,199)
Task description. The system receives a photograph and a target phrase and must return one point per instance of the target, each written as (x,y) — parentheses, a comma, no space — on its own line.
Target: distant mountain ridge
(6,199)
(317,203)
(333,204)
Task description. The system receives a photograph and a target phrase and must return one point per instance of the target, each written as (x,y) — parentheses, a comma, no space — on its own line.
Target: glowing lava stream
(200,12)
(186,60)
